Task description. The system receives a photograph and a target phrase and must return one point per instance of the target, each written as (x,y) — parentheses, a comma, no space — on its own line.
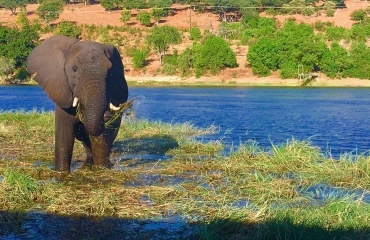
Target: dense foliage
(16,44)
(288,48)
(295,48)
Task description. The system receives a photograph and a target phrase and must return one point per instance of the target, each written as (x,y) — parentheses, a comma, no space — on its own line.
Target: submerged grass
(289,192)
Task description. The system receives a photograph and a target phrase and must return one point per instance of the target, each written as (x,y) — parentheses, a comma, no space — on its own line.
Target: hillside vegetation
(258,38)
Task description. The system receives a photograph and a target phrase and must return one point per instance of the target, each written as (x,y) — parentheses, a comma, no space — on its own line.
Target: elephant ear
(116,82)
(46,63)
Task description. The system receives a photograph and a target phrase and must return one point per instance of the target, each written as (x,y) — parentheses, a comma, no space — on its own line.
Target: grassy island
(162,174)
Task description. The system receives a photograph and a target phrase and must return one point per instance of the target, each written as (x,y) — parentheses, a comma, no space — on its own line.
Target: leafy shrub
(139,57)
(358,15)
(16,44)
(358,62)
(50,10)
(125,15)
(170,63)
(334,60)
(335,33)
(322,26)
(185,61)
(157,14)
(161,37)
(68,29)
(144,18)
(195,34)
(360,32)
(263,56)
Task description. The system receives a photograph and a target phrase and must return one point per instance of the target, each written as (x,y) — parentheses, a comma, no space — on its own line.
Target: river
(334,119)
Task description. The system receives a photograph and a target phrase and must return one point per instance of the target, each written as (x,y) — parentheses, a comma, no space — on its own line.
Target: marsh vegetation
(161,172)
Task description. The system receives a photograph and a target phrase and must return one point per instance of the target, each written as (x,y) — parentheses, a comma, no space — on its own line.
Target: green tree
(16,44)
(334,60)
(12,5)
(125,15)
(144,18)
(358,62)
(161,38)
(50,10)
(263,56)
(214,54)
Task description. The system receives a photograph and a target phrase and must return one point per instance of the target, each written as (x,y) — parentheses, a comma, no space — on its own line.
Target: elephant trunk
(95,105)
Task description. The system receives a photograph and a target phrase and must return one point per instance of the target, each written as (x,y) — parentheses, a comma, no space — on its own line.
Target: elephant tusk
(34,75)
(75,102)
(114,108)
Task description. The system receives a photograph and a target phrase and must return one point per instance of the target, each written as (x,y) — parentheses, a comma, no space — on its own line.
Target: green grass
(250,194)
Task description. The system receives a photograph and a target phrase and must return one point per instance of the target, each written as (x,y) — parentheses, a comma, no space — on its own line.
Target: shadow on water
(145,149)
(39,225)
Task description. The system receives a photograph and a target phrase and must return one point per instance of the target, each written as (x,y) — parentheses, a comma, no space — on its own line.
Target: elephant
(86,81)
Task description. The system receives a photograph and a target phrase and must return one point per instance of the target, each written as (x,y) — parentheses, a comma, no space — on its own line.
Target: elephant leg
(100,150)
(64,139)
(89,154)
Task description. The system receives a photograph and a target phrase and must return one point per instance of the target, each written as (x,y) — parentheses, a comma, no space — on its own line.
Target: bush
(334,60)
(214,54)
(125,15)
(185,61)
(144,18)
(139,57)
(335,33)
(50,10)
(68,29)
(17,44)
(263,56)
(195,34)
(358,15)
(357,64)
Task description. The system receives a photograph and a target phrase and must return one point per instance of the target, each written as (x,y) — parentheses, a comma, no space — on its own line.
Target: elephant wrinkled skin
(86,81)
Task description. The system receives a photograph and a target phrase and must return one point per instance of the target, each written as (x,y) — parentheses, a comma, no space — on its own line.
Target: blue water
(334,119)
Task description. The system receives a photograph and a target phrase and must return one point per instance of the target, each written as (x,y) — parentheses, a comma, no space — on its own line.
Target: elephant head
(80,72)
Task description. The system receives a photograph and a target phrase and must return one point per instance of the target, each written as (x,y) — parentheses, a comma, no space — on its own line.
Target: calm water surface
(334,119)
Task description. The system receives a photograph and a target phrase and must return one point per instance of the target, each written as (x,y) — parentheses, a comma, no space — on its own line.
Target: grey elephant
(86,81)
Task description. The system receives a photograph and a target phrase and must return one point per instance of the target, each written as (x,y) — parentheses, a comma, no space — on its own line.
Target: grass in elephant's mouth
(291,191)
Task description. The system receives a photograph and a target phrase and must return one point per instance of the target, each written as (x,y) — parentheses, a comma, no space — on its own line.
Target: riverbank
(243,82)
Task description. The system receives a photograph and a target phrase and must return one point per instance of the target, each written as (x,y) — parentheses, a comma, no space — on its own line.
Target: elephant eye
(74,68)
